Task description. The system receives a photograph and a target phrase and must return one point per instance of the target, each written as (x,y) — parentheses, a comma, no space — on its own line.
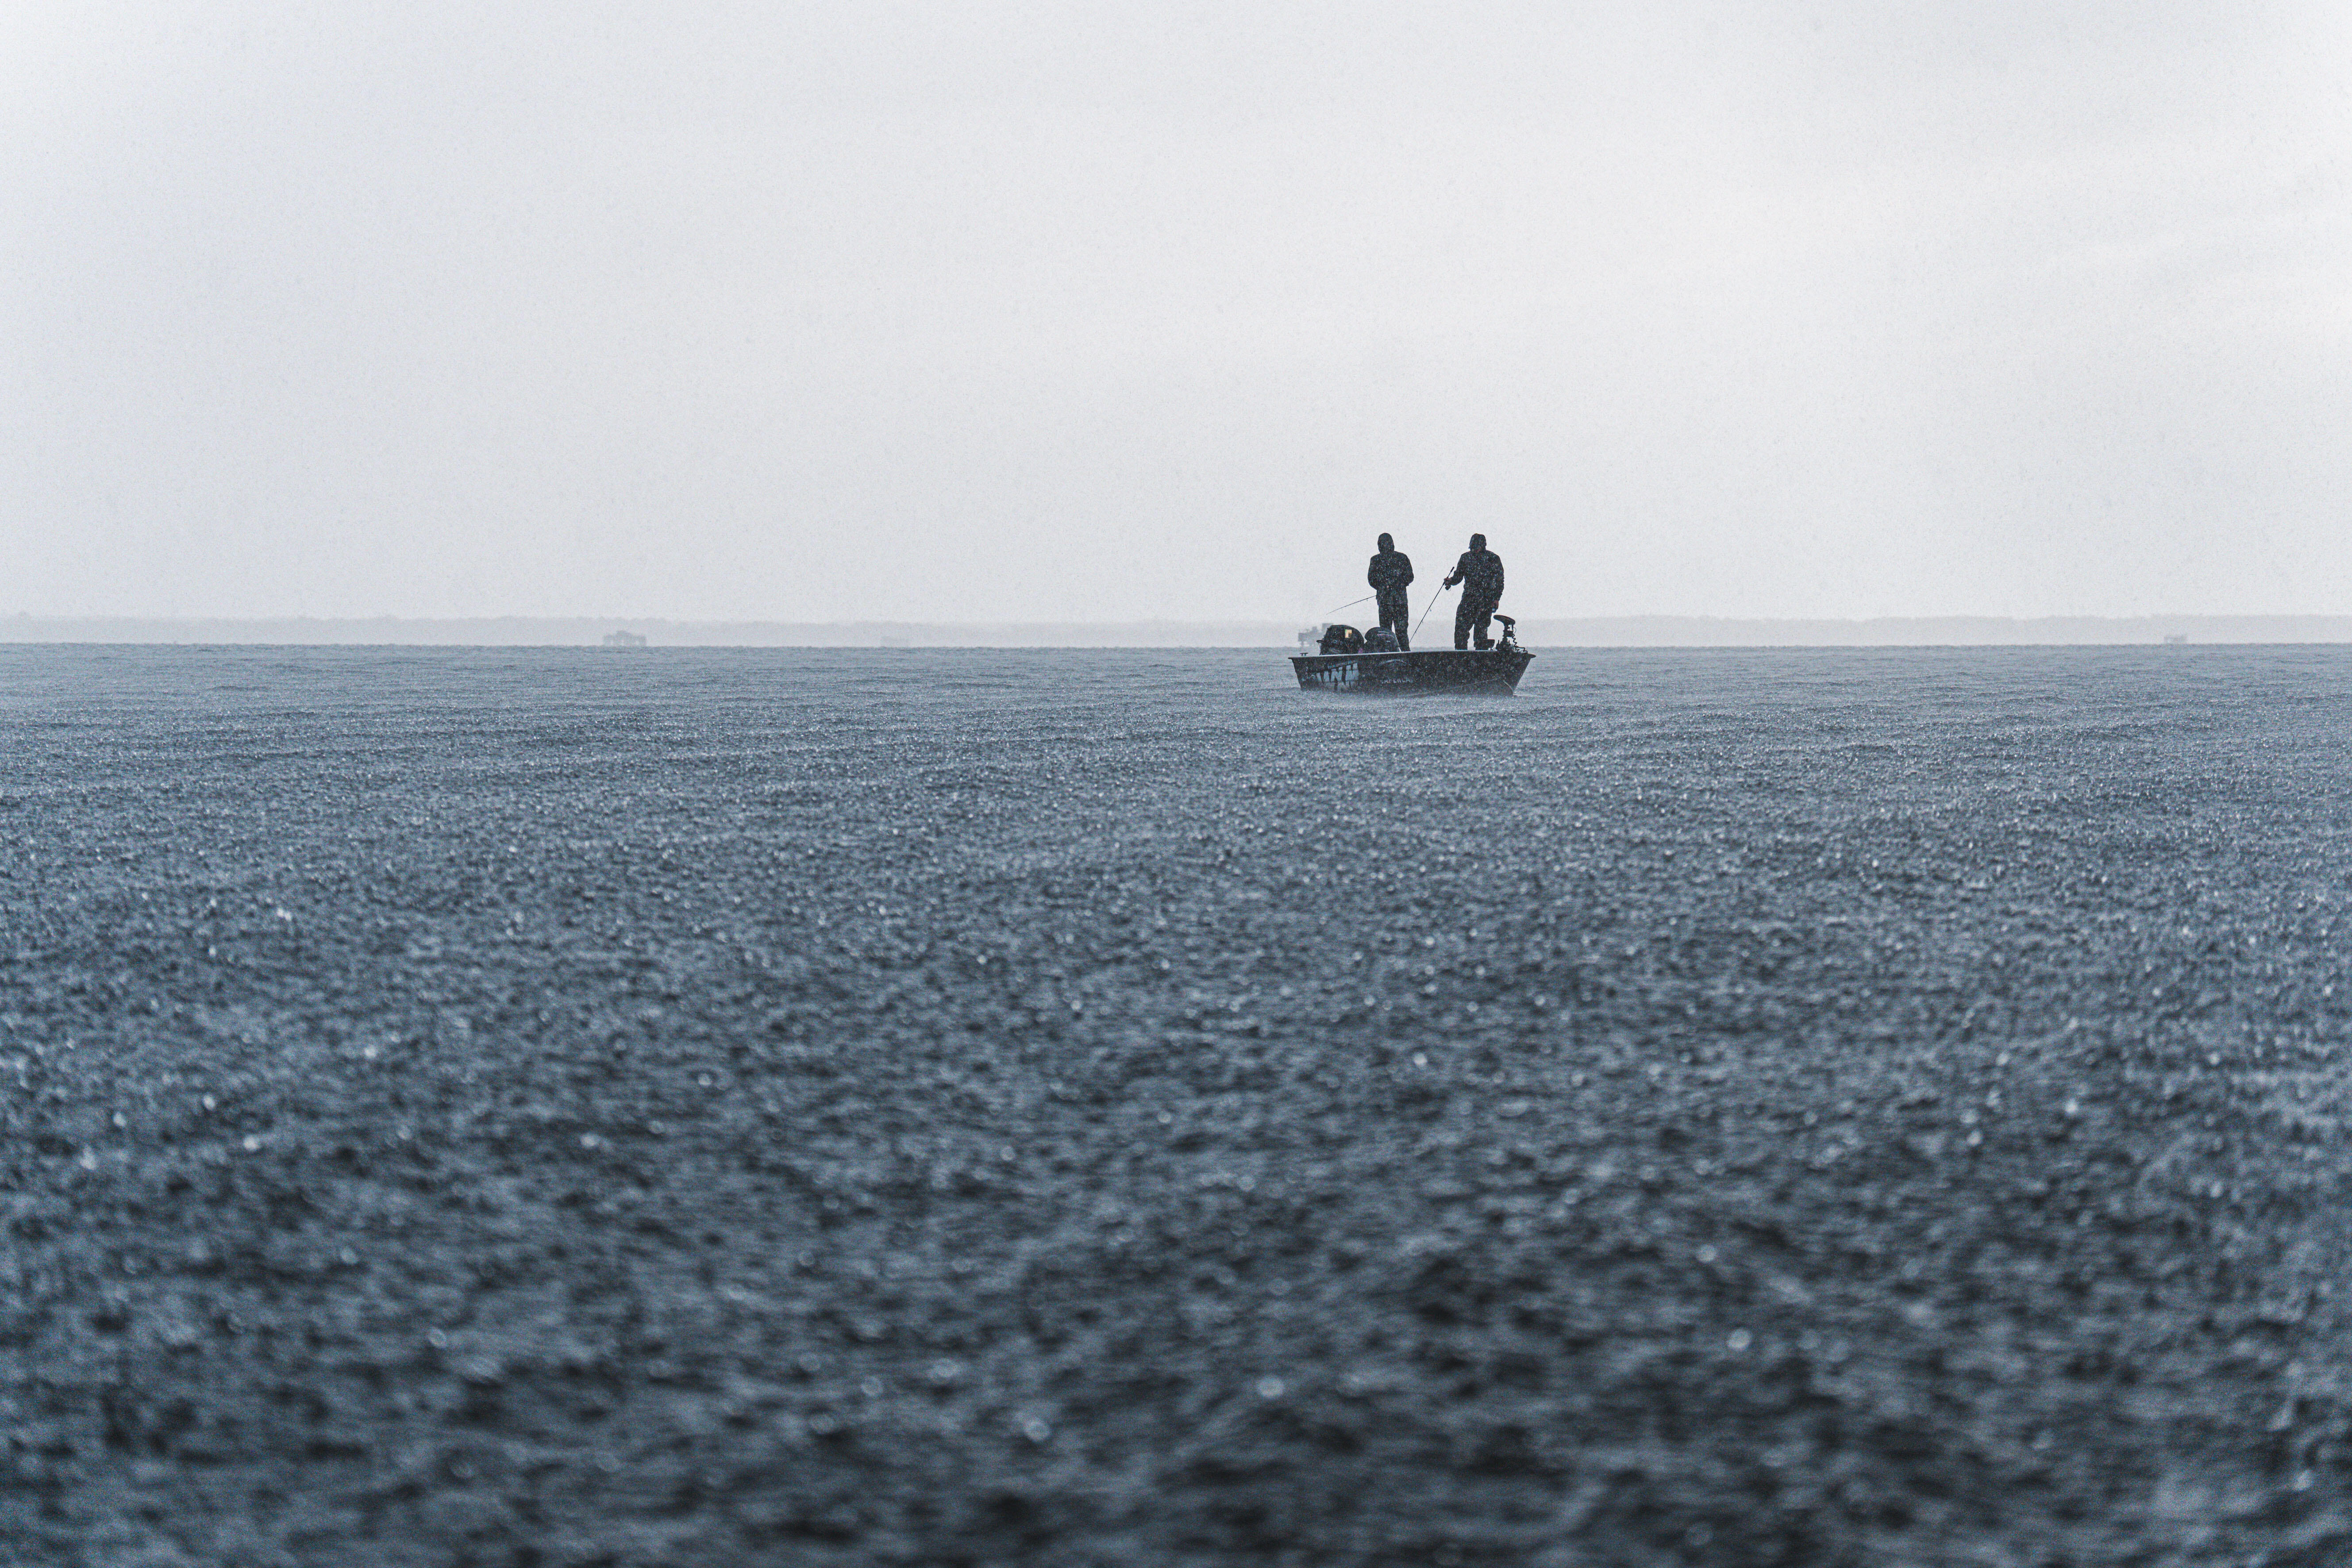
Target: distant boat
(624,639)
(1343,663)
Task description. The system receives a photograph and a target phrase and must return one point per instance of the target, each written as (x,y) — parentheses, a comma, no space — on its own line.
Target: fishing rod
(1429,606)
(1351,603)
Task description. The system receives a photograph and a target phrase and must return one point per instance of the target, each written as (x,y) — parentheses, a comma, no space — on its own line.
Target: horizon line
(1648,630)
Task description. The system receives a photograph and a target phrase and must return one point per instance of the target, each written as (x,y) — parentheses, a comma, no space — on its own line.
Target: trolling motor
(1509,641)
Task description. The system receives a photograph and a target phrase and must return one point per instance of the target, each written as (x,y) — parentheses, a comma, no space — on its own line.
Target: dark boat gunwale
(1424,672)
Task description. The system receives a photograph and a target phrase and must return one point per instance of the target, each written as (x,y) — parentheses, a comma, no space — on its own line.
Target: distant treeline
(1622,631)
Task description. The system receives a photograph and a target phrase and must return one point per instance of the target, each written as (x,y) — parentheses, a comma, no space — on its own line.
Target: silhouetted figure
(1390,572)
(1480,573)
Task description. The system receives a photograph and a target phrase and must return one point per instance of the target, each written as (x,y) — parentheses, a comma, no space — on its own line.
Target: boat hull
(1493,672)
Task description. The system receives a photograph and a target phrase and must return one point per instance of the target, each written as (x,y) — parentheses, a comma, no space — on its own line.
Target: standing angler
(1480,573)
(1390,572)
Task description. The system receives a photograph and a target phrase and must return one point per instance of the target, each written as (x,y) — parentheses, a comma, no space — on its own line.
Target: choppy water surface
(694,1106)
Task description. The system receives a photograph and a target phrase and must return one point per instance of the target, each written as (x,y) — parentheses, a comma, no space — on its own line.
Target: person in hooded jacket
(1480,573)
(1390,574)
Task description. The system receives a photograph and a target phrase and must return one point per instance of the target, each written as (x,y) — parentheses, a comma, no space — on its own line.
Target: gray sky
(1112,311)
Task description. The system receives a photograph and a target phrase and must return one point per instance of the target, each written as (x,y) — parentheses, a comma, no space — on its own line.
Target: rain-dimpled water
(709,1107)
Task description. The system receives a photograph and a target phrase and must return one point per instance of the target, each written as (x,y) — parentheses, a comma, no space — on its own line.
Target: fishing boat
(1341,662)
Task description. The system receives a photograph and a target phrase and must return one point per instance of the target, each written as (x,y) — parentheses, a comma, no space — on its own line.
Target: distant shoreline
(1623,631)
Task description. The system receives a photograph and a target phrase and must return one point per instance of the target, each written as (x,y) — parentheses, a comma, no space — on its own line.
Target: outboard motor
(1343,639)
(1511,638)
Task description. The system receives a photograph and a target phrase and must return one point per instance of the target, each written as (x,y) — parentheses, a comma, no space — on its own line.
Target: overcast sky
(1113,311)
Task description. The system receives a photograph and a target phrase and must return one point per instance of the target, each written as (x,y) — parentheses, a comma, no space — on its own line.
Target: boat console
(1338,639)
